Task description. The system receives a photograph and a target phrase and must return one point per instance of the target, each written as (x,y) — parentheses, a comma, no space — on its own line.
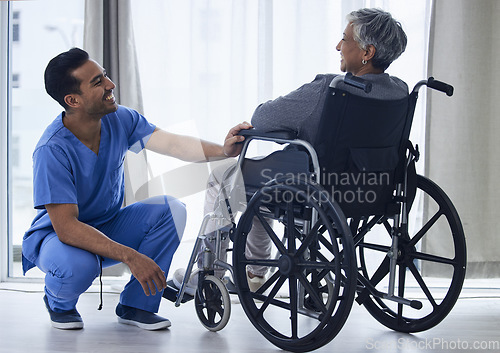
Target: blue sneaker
(144,319)
(67,320)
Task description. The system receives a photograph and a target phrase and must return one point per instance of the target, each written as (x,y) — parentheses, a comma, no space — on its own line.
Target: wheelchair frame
(322,286)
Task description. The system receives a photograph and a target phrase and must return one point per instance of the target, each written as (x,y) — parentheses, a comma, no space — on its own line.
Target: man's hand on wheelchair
(232,146)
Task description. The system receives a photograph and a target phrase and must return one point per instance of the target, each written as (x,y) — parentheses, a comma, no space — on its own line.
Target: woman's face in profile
(351,55)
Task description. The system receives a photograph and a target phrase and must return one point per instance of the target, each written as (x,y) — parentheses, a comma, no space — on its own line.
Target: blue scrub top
(67,171)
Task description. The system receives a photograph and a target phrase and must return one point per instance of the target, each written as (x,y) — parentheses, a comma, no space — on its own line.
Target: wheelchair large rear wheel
(312,271)
(430,264)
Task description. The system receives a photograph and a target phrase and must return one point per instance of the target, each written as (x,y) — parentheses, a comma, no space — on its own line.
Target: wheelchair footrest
(171,293)
(231,287)
(363,295)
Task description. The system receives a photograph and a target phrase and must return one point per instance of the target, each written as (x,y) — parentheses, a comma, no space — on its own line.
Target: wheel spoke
(388,227)
(376,247)
(422,284)
(219,310)
(312,292)
(331,247)
(270,297)
(202,295)
(211,314)
(292,284)
(321,257)
(330,266)
(381,272)
(312,235)
(401,291)
(260,262)
(268,283)
(271,233)
(290,228)
(434,258)
(360,233)
(425,228)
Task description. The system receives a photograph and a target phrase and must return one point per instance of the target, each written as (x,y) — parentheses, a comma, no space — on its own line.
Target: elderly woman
(371,41)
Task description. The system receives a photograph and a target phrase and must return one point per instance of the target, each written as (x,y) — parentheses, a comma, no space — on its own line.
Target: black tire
(419,263)
(307,299)
(212,304)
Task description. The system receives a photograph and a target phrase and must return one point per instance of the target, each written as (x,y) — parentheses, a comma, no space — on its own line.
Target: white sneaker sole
(67,325)
(150,327)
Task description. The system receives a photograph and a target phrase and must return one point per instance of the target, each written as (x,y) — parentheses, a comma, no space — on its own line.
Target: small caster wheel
(212,304)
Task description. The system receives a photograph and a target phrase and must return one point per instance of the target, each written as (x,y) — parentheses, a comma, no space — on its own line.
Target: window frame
(5,104)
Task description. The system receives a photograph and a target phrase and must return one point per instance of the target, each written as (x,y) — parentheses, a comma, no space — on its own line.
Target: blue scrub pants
(153,227)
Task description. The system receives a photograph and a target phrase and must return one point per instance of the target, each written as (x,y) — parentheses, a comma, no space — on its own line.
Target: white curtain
(206,64)
(109,39)
(462,131)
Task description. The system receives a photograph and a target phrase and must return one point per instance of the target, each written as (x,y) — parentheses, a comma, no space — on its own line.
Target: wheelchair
(348,219)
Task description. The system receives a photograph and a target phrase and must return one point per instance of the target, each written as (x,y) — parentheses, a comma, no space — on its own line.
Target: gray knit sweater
(300,110)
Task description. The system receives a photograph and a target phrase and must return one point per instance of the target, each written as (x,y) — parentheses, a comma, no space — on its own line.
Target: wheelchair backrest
(359,147)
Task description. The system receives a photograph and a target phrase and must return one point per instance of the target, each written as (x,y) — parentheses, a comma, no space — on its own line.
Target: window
(218,60)
(37,39)
(207,66)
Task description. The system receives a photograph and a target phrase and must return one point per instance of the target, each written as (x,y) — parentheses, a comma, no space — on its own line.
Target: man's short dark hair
(59,79)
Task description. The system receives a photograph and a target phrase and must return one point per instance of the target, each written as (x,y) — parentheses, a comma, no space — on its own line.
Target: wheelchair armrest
(283,135)
(280,137)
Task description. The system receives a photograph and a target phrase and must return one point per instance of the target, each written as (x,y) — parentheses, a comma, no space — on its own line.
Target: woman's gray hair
(377,27)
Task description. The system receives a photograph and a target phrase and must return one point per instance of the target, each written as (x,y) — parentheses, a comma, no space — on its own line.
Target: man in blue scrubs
(79,189)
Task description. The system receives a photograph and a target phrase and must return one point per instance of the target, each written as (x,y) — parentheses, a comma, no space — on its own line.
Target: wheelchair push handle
(440,86)
(358,82)
(435,84)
